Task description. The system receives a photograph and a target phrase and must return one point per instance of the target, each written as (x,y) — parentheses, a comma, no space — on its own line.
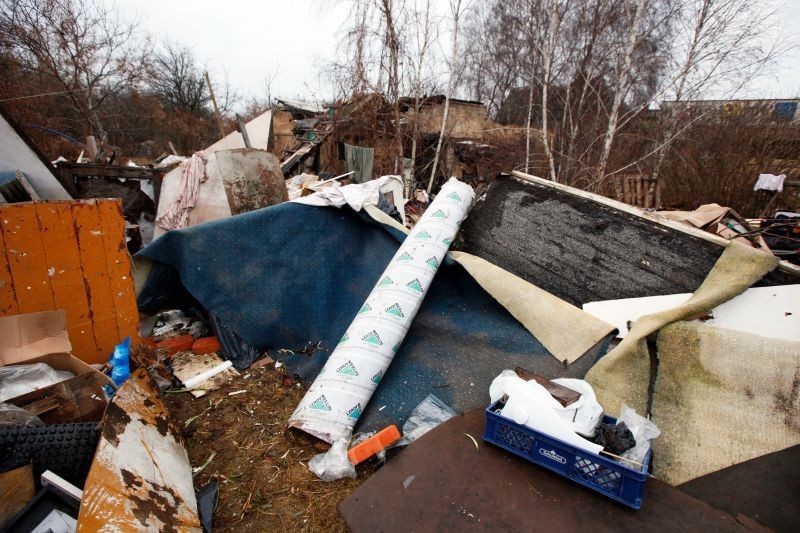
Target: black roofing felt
(584,251)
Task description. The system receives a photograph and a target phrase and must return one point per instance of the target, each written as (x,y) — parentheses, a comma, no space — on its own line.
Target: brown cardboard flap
(24,337)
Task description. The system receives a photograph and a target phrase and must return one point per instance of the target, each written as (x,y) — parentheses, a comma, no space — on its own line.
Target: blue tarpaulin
(292,275)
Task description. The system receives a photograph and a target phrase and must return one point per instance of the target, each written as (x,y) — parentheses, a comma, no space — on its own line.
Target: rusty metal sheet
(140,479)
(767,489)
(441,483)
(252,179)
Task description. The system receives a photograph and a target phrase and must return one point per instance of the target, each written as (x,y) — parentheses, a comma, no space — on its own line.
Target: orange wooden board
(25,256)
(95,274)
(71,256)
(69,292)
(8,299)
(119,270)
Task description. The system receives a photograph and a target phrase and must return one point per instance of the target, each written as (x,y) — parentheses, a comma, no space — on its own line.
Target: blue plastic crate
(596,472)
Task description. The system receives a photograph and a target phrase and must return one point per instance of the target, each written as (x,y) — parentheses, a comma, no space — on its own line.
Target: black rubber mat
(64,449)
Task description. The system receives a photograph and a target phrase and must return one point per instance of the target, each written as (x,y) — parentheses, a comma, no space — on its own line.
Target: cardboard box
(42,338)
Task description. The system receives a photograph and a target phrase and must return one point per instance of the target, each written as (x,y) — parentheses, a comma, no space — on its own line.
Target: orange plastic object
(364,450)
(205,345)
(174,345)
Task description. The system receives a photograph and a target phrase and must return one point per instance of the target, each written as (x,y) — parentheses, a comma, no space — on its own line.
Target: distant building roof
(438,99)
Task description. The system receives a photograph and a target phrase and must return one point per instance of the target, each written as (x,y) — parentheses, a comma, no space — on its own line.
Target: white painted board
(766,311)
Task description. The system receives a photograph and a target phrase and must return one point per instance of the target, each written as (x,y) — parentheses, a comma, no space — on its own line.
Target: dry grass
(261,466)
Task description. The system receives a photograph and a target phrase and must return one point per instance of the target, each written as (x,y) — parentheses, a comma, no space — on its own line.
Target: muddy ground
(261,466)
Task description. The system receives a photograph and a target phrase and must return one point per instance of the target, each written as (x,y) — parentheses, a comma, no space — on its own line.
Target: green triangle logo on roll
(439,214)
(347,369)
(344,338)
(355,411)
(414,285)
(447,241)
(385,281)
(364,309)
(433,262)
(372,338)
(405,257)
(453,196)
(377,377)
(395,310)
(321,404)
(395,347)
(422,235)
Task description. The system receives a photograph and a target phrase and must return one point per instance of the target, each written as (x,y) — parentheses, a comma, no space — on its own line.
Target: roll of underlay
(341,391)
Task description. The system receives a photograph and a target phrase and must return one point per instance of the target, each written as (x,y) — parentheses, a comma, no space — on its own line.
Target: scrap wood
(16,490)
(456,489)
(73,256)
(186,365)
(78,399)
(141,477)
(564,395)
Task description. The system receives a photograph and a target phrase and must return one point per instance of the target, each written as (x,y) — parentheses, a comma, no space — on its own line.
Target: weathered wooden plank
(141,478)
(119,269)
(69,291)
(16,490)
(79,399)
(26,258)
(96,277)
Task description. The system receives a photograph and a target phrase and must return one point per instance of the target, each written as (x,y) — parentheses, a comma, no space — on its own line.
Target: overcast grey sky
(292,39)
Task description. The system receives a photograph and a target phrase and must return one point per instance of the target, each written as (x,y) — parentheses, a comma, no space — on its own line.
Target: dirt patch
(261,466)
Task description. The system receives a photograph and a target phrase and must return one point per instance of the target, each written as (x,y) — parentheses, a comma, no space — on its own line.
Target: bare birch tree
(422,39)
(622,85)
(455,12)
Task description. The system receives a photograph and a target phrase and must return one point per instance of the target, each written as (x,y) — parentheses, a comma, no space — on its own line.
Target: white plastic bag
(427,415)
(333,464)
(16,380)
(11,415)
(643,430)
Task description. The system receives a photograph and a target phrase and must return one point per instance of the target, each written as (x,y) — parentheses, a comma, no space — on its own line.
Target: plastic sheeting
(336,399)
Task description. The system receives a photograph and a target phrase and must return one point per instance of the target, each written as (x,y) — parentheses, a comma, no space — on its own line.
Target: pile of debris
(335,349)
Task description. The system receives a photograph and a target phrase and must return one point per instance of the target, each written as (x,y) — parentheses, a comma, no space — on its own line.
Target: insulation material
(721,398)
(336,399)
(622,376)
(71,256)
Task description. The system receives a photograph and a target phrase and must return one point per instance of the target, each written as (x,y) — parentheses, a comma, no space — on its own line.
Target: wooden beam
(217,114)
(107,171)
(243,131)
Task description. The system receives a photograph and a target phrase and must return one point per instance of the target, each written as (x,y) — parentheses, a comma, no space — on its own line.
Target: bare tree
(84,46)
(455,12)
(177,81)
(422,39)
(622,84)
(735,29)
